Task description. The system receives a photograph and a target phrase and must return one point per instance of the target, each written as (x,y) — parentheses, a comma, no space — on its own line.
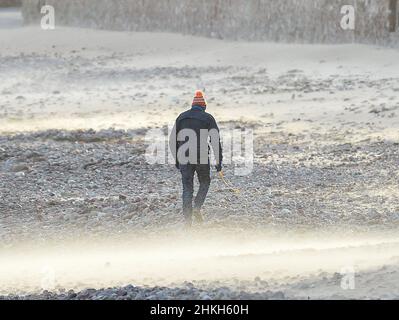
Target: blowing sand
(80,205)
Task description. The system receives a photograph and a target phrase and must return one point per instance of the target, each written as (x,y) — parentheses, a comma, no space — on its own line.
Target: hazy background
(308,21)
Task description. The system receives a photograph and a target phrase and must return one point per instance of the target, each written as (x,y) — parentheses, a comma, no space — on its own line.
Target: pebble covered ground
(86,183)
(89,182)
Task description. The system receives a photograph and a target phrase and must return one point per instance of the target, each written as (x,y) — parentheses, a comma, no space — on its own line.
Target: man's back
(195,127)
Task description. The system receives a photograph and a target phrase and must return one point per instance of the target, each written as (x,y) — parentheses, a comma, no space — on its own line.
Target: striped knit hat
(199,99)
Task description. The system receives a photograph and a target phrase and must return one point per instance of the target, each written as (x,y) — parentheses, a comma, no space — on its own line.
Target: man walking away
(194,132)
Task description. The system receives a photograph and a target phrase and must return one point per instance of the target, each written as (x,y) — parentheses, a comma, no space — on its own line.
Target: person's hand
(218,168)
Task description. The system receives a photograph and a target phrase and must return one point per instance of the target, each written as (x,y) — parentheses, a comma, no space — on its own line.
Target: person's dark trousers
(203,173)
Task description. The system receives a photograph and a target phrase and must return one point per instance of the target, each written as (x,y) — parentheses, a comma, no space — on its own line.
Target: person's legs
(187,173)
(204,178)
